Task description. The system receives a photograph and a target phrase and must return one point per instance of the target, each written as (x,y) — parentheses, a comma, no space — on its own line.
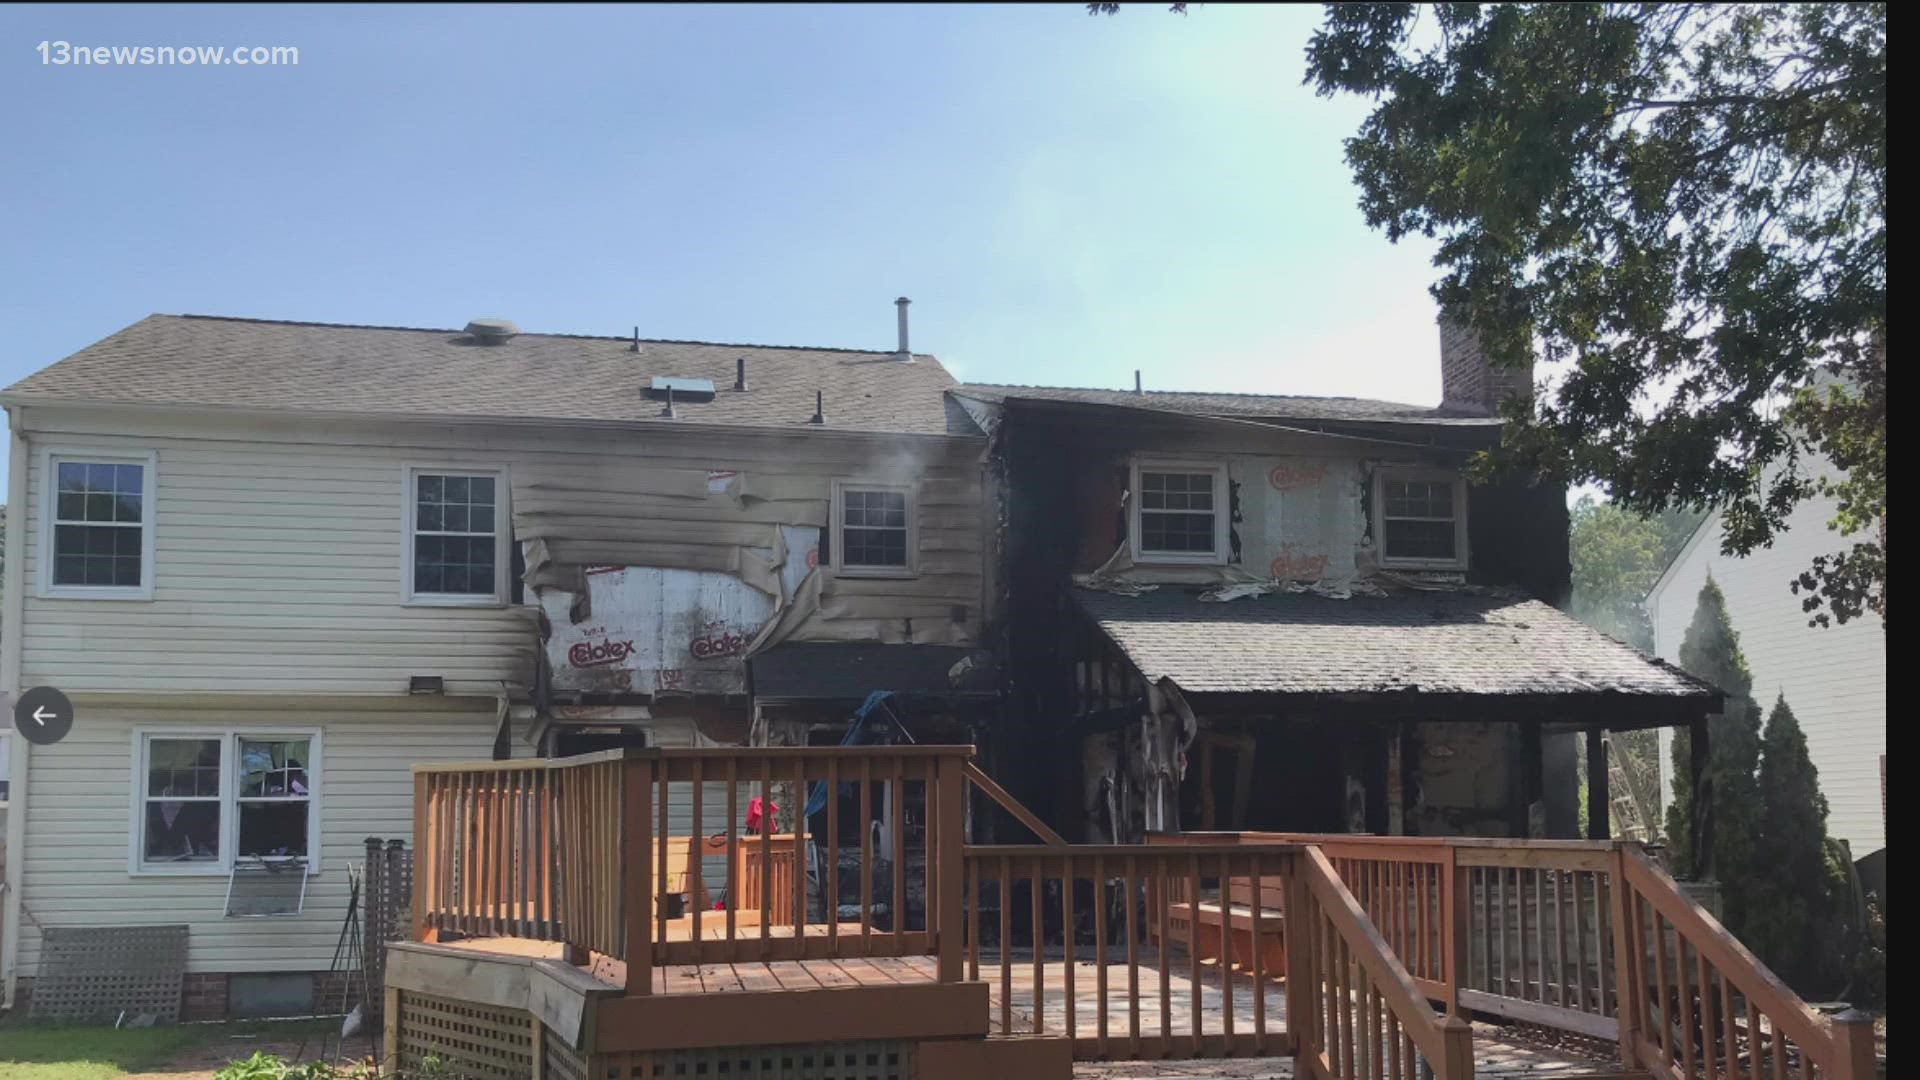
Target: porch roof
(1451,644)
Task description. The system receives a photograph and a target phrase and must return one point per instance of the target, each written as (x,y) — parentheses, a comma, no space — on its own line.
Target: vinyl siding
(279,549)
(1834,678)
(78,834)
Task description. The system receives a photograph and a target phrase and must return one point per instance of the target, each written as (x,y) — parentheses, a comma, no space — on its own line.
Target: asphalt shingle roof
(1432,642)
(1249,406)
(193,360)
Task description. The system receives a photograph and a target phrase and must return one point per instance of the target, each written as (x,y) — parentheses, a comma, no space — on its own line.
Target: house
(1834,677)
(1237,611)
(276,564)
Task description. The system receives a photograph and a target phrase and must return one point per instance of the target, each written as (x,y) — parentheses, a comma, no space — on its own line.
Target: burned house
(277,564)
(1237,611)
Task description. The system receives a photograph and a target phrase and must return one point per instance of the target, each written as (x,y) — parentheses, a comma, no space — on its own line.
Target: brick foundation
(203,996)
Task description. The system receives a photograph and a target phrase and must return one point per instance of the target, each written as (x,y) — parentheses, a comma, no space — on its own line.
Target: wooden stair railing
(1353,1008)
(1705,1008)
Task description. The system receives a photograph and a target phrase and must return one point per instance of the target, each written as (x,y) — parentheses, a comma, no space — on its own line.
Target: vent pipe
(903,352)
(819,408)
(668,411)
(1136,382)
(740,374)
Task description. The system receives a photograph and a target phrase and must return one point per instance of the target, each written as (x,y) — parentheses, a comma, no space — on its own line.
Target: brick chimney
(1468,383)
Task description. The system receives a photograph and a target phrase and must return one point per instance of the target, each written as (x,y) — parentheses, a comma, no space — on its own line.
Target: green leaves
(1680,208)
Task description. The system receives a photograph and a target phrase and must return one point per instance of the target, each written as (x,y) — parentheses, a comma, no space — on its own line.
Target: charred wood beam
(1599,798)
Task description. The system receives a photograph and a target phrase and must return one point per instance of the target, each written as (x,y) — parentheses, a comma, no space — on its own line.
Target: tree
(1794,920)
(1618,555)
(1711,651)
(1680,209)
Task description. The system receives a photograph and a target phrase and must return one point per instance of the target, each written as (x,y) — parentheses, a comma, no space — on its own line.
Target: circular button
(43,715)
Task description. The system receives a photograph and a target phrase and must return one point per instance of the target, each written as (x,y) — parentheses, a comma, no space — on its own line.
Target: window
(874,529)
(1422,520)
(274,798)
(455,530)
(99,526)
(1180,513)
(208,800)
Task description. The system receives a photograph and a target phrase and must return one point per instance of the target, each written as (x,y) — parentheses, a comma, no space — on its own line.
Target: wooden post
(636,844)
(1853,1033)
(1599,798)
(1532,781)
(1700,811)
(1301,991)
(1456,1049)
(1626,947)
(949,849)
(1456,925)
(426,861)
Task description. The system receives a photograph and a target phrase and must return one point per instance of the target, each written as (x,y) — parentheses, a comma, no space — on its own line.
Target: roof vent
(491,331)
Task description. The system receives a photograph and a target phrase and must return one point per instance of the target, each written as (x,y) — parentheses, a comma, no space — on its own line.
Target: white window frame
(229,797)
(1459,485)
(50,459)
(1222,513)
(502,536)
(838,521)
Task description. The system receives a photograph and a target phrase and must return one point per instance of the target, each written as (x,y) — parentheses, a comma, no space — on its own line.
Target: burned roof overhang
(846,672)
(1409,433)
(1569,711)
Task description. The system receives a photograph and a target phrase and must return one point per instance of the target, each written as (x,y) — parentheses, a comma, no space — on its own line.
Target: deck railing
(1359,1013)
(1589,937)
(570,850)
(1079,933)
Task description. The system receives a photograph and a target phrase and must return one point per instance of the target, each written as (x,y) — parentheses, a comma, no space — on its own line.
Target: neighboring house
(1249,611)
(1835,677)
(275,564)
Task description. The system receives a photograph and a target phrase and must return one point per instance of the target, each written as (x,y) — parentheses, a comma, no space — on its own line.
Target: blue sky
(1065,198)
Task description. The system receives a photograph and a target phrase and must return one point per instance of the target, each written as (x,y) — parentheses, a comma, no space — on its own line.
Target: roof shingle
(192,360)
(1430,642)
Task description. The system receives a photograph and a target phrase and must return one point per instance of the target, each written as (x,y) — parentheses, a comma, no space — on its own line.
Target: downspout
(11,611)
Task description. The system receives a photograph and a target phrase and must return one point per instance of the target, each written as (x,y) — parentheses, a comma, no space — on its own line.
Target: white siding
(80,829)
(278,565)
(1835,678)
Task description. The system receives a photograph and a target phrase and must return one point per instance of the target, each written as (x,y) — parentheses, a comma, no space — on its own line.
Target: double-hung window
(1179,512)
(98,525)
(1422,519)
(206,800)
(456,533)
(874,531)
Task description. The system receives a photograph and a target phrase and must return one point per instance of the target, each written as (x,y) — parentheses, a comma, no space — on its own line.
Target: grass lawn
(33,1052)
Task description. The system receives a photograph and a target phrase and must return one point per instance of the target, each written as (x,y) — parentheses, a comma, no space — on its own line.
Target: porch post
(1532,781)
(1599,798)
(1700,811)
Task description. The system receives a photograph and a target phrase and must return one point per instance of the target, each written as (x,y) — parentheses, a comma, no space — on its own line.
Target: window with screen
(1178,513)
(1420,520)
(100,526)
(455,538)
(183,801)
(875,529)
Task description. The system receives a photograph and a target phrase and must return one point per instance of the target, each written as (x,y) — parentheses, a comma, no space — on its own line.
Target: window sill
(1450,566)
(882,572)
(1170,558)
(452,601)
(203,870)
(103,592)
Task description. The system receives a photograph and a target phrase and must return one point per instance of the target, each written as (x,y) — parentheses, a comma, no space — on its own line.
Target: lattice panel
(837,1061)
(90,973)
(562,1062)
(473,1041)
